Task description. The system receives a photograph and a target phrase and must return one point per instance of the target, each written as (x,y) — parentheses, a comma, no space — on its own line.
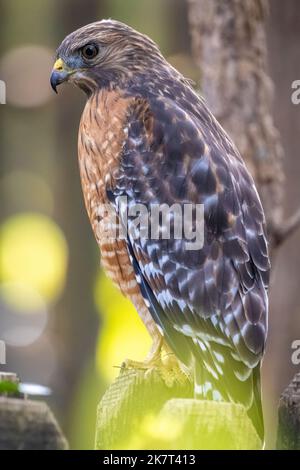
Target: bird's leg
(154,355)
(162,359)
(152,360)
(172,370)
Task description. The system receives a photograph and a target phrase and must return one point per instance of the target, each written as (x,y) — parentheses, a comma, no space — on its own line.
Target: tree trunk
(229,47)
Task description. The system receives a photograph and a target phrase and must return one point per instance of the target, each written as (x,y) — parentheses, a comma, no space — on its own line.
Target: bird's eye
(89,51)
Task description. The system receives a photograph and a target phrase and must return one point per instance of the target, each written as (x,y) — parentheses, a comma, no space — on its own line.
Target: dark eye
(89,51)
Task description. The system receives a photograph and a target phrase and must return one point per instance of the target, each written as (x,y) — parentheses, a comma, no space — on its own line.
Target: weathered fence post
(139,411)
(26,424)
(288,436)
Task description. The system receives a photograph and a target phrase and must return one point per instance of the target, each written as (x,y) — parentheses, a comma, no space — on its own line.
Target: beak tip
(53,83)
(57,77)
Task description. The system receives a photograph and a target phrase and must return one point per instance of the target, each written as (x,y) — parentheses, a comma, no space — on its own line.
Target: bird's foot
(171,370)
(167,365)
(152,360)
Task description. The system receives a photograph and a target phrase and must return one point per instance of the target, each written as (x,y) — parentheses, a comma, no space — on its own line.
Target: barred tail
(220,385)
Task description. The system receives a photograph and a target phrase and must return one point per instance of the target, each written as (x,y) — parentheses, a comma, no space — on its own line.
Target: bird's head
(103,54)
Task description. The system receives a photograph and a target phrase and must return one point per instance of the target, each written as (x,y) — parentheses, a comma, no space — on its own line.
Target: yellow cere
(59,65)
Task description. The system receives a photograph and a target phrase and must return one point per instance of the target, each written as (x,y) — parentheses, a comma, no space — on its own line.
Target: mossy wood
(26,424)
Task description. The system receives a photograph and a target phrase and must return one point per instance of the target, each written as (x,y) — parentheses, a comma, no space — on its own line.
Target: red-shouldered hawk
(147,136)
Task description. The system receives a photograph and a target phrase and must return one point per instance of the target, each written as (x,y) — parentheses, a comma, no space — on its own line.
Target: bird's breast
(101,136)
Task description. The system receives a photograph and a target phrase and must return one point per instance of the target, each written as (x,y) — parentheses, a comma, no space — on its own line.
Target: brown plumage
(145,134)
(100,141)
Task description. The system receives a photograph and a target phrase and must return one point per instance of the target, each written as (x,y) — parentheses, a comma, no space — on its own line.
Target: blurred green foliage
(9,388)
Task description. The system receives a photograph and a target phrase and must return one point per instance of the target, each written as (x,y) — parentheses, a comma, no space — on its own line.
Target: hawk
(146,135)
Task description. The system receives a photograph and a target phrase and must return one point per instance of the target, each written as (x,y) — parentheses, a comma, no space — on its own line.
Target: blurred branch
(286,229)
(229,46)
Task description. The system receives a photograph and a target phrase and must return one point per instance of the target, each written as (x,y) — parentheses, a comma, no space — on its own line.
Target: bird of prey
(145,135)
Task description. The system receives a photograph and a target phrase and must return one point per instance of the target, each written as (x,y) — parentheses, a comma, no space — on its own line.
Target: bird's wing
(216,293)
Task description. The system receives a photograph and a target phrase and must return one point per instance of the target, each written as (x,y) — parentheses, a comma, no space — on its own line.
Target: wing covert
(216,293)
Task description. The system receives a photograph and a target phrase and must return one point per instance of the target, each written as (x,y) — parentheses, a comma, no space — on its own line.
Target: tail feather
(255,412)
(229,380)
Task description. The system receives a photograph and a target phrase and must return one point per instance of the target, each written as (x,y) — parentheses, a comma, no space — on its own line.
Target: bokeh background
(64,324)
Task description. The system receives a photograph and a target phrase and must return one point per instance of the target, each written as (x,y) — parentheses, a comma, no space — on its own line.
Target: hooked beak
(60,74)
